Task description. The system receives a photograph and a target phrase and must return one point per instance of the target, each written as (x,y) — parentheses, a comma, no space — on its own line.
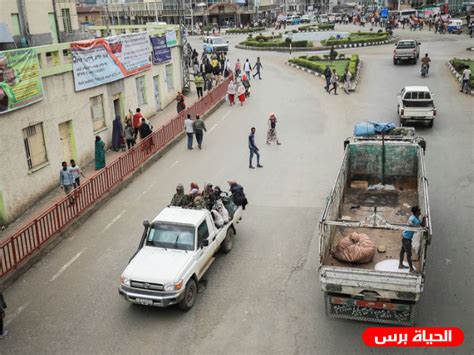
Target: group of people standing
(210,72)
(332,80)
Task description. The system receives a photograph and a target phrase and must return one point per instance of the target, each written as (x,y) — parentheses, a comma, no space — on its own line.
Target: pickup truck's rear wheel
(189,296)
(228,242)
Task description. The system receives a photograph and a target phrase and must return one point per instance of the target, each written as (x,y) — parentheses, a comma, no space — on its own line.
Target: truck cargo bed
(360,204)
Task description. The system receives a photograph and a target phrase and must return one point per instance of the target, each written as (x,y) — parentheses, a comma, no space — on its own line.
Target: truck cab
(175,251)
(215,44)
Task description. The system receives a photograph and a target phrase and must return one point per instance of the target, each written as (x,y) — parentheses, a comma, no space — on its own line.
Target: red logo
(428,337)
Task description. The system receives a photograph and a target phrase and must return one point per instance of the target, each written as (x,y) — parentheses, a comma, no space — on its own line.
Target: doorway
(66,137)
(118,106)
(156,85)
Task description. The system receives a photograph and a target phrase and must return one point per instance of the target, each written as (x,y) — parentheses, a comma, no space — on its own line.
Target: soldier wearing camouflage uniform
(199,203)
(208,196)
(180,199)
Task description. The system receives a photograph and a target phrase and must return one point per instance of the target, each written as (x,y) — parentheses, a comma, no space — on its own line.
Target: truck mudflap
(397,313)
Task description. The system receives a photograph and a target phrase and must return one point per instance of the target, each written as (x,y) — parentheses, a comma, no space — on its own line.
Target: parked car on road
(408,49)
(215,44)
(415,104)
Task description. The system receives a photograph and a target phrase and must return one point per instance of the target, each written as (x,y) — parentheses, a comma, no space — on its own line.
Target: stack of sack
(355,248)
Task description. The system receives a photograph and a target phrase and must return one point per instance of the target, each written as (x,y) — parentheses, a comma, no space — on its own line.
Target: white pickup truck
(175,251)
(415,104)
(407,49)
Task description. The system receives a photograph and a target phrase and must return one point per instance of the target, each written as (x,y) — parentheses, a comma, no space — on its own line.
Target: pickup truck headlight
(124,281)
(174,286)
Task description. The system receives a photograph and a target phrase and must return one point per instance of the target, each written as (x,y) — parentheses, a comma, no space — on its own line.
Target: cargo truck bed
(359,204)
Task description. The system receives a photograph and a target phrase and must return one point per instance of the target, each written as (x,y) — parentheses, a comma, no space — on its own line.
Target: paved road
(263,297)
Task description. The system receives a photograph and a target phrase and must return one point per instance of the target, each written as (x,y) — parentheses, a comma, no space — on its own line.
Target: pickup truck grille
(147,285)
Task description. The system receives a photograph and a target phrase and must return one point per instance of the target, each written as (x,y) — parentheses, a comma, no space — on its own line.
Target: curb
(353,86)
(456,75)
(316,49)
(12,276)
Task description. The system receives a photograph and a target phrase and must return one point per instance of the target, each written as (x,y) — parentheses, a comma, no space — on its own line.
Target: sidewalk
(158,120)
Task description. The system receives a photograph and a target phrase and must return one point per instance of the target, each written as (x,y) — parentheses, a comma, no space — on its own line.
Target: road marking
(69,263)
(174,164)
(225,116)
(113,221)
(212,128)
(16,314)
(148,189)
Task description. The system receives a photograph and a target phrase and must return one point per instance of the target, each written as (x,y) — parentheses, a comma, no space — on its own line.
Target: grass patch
(273,41)
(319,64)
(358,37)
(460,64)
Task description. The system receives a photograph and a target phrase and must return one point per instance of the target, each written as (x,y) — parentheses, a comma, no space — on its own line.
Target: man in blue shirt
(66,180)
(253,149)
(407,236)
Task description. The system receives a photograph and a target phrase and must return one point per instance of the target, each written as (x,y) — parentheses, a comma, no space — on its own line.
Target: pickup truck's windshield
(171,236)
(218,41)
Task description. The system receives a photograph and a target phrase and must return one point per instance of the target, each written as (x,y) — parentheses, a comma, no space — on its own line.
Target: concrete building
(39,22)
(90,15)
(35,139)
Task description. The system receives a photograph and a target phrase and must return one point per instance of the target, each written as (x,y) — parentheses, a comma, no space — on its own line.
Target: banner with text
(171,40)
(20,79)
(161,53)
(104,60)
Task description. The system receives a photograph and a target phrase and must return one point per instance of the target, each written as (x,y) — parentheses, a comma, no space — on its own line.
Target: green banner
(20,79)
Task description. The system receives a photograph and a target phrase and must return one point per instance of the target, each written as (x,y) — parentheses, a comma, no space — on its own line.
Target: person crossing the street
(253,149)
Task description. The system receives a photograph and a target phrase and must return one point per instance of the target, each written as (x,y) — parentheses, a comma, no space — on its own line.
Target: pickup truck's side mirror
(146,223)
(205,243)
(419,43)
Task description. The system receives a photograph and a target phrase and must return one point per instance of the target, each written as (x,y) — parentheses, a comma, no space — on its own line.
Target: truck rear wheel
(228,242)
(189,296)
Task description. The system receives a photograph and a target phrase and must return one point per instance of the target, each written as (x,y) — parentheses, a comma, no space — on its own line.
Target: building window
(35,146)
(169,77)
(15,24)
(97,112)
(66,15)
(141,92)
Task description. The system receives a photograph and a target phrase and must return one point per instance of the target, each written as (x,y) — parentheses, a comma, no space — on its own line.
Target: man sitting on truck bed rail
(407,237)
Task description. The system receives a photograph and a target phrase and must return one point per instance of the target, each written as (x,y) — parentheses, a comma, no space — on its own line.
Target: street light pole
(156,12)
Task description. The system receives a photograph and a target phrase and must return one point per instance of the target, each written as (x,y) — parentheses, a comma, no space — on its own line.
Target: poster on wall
(161,53)
(103,60)
(171,40)
(20,79)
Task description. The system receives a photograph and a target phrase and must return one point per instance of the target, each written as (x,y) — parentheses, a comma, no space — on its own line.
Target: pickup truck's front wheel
(228,242)
(189,296)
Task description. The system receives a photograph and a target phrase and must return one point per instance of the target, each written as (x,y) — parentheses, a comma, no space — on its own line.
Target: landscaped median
(316,27)
(358,39)
(273,43)
(244,30)
(316,65)
(457,67)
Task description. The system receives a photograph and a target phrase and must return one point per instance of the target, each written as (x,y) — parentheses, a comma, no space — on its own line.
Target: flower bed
(460,64)
(359,37)
(318,64)
(245,30)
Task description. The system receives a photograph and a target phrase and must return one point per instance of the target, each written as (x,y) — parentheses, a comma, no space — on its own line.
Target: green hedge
(356,38)
(245,30)
(253,43)
(326,26)
(315,63)
(315,27)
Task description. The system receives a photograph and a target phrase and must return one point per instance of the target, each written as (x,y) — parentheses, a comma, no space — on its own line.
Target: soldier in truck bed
(179,199)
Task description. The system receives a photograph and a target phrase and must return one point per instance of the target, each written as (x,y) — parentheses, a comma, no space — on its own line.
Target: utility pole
(55,11)
(107,18)
(24,28)
(156,12)
(183,53)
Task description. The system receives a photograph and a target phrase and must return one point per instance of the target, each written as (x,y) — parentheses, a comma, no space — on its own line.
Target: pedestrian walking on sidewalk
(129,135)
(199,128)
(247,68)
(99,153)
(3,306)
(117,132)
(258,66)
(232,91)
(145,130)
(137,121)
(189,129)
(66,180)
(334,80)
(347,81)
(327,76)
(466,78)
(180,105)
(241,93)
(199,82)
(237,68)
(76,173)
(253,149)
(271,133)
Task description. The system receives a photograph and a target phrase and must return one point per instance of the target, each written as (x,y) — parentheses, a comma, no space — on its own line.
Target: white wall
(21,187)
